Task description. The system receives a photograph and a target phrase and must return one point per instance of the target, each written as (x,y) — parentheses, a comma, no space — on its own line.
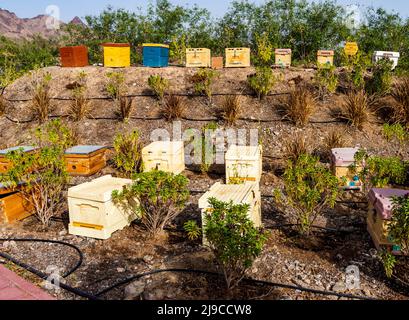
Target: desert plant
(80,105)
(400,107)
(388,261)
(309,188)
(231,109)
(192,229)
(128,153)
(208,148)
(174,107)
(44,172)
(334,139)
(296,146)
(326,79)
(299,106)
(357,109)
(203,81)
(125,108)
(262,82)
(233,238)
(40,92)
(158,85)
(115,86)
(265,49)
(381,81)
(161,196)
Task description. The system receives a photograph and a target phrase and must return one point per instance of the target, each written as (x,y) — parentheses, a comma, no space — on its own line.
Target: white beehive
(92,211)
(168,156)
(393,56)
(247,193)
(244,163)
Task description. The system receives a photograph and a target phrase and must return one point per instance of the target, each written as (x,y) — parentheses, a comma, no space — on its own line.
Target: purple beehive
(381,200)
(343,157)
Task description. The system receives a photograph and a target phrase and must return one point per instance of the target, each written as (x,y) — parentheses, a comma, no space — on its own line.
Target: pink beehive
(381,199)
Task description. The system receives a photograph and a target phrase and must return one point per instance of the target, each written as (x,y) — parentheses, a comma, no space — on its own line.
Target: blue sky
(72,8)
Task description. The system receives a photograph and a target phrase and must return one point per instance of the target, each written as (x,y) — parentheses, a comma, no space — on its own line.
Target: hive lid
(326,53)
(83,149)
(99,189)
(238,193)
(163,147)
(155,45)
(197,49)
(283,51)
(236,152)
(382,200)
(343,156)
(387,54)
(110,44)
(25,149)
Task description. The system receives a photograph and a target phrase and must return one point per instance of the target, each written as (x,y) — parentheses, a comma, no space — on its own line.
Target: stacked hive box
(166,156)
(283,57)
(85,160)
(237,57)
(155,55)
(92,211)
(243,163)
(393,56)
(198,57)
(341,160)
(325,58)
(117,55)
(379,215)
(76,56)
(5,164)
(247,193)
(13,205)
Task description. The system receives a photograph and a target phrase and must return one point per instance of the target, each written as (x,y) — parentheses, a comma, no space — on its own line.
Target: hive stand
(117,55)
(168,156)
(75,56)
(92,211)
(237,57)
(155,55)
(341,160)
(244,163)
(283,57)
(325,58)
(5,164)
(13,206)
(198,58)
(85,160)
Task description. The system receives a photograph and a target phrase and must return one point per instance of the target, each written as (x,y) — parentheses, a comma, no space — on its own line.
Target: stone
(339,287)
(134,290)
(120,270)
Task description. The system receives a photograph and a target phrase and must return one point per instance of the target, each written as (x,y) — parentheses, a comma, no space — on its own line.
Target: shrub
(208,148)
(178,48)
(158,85)
(161,197)
(300,106)
(389,261)
(40,92)
(174,107)
(128,153)
(400,107)
(44,172)
(357,109)
(262,81)
(115,87)
(326,80)
(80,105)
(2,106)
(203,81)
(296,147)
(233,238)
(231,109)
(356,68)
(309,188)
(265,49)
(192,229)
(398,228)
(396,134)
(125,108)
(381,80)
(334,139)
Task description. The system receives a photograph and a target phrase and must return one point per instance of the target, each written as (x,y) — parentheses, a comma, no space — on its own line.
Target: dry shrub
(334,139)
(125,108)
(41,101)
(357,109)
(80,105)
(300,106)
(400,107)
(231,109)
(174,107)
(296,147)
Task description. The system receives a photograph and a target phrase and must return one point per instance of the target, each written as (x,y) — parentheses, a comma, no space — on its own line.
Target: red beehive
(72,57)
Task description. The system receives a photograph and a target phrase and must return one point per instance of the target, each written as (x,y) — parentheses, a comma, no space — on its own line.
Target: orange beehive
(13,206)
(5,164)
(85,160)
(217,62)
(76,56)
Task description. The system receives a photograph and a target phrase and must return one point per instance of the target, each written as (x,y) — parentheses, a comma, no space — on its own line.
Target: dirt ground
(318,262)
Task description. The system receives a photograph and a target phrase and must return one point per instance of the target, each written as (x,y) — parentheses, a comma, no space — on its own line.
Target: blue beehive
(155,55)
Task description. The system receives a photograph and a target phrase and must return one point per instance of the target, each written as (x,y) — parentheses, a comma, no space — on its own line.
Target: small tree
(203,81)
(381,80)
(161,196)
(234,240)
(309,188)
(128,153)
(265,49)
(158,85)
(326,80)
(262,81)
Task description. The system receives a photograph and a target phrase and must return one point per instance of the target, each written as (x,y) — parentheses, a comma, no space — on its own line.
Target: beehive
(166,156)
(76,56)
(237,57)
(325,58)
(247,193)
(117,55)
(13,206)
(341,160)
(379,215)
(283,57)
(93,213)
(217,62)
(85,160)
(155,55)
(5,164)
(243,163)
(198,57)
(393,56)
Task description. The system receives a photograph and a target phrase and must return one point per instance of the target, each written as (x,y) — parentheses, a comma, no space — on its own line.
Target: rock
(339,287)
(62,233)
(120,270)
(134,290)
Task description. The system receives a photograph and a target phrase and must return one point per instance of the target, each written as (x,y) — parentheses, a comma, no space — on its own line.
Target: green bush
(161,196)
(233,238)
(192,229)
(398,228)
(262,82)
(326,80)
(208,148)
(203,81)
(128,153)
(115,86)
(381,80)
(158,85)
(265,49)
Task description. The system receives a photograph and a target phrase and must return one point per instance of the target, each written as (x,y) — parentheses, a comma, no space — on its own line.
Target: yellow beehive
(325,58)
(198,57)
(247,193)
(243,163)
(117,55)
(168,156)
(93,213)
(237,57)
(283,57)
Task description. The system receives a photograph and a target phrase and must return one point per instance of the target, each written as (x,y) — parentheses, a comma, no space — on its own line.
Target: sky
(70,8)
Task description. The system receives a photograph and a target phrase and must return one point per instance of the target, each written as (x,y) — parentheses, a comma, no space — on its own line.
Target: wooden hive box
(237,57)
(155,55)
(92,211)
(325,58)
(168,156)
(85,160)
(379,215)
(117,55)
(283,57)
(13,206)
(5,164)
(198,58)
(217,63)
(247,193)
(341,159)
(244,163)
(76,56)
(390,55)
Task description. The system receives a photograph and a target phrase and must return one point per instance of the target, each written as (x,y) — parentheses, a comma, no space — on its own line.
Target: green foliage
(115,86)
(265,49)
(161,196)
(192,229)
(398,227)
(234,240)
(389,261)
(396,134)
(309,188)
(262,82)
(326,80)
(208,148)
(158,85)
(356,68)
(381,80)
(128,153)
(178,48)
(203,81)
